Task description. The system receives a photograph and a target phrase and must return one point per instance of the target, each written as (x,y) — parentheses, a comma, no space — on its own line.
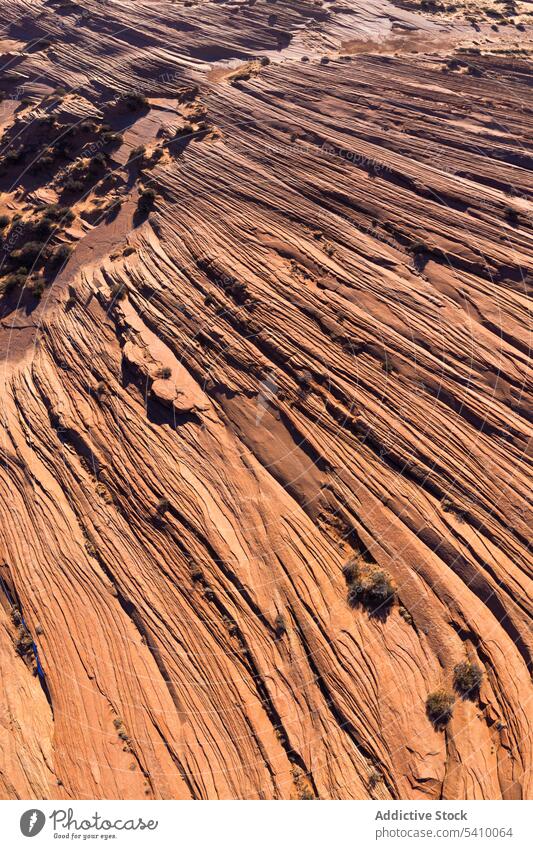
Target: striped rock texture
(309,346)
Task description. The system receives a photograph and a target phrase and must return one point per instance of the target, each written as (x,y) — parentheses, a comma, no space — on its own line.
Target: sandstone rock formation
(309,346)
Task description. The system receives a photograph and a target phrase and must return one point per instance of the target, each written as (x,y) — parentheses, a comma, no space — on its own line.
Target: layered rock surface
(314,347)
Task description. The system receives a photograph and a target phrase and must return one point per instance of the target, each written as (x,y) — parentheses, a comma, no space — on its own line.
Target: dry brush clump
(369,586)
(146,200)
(467,678)
(162,506)
(439,708)
(35,252)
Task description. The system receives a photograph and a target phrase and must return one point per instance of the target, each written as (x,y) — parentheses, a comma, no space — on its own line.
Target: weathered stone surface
(335,276)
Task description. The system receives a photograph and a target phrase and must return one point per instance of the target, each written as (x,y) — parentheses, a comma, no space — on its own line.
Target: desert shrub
(371,587)
(113,207)
(164,372)
(28,253)
(121,729)
(88,125)
(11,157)
(511,215)
(134,100)
(280,627)
(439,707)
(350,570)
(44,226)
(24,643)
(405,615)
(37,288)
(43,163)
(59,213)
(97,162)
(137,153)
(72,184)
(146,200)
(118,292)
(374,778)
(306,794)
(61,254)
(162,506)
(113,139)
(13,281)
(16,616)
(4,221)
(186,131)
(467,678)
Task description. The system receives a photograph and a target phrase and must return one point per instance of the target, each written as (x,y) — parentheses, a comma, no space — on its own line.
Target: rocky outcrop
(309,347)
